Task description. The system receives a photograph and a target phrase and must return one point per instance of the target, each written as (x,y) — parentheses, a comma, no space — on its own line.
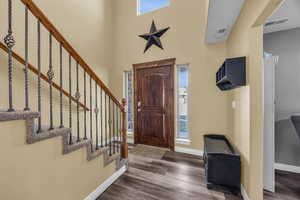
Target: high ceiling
(290,10)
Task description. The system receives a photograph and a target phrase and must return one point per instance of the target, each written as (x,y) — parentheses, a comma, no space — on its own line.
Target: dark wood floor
(181,176)
(175,176)
(287,187)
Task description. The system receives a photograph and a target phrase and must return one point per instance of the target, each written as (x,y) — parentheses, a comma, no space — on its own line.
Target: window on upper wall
(145,6)
(182,102)
(128,94)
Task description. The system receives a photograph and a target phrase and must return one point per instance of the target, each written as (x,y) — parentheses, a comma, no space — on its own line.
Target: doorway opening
(281,102)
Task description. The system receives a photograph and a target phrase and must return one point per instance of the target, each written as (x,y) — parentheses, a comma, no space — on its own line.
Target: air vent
(276,22)
(221,31)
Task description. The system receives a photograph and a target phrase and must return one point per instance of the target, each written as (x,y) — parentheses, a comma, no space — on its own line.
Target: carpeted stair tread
(32,137)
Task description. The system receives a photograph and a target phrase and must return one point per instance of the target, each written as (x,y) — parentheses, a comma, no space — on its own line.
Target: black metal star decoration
(153,38)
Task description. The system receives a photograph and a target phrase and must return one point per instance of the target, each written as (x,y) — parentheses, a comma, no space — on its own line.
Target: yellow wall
(210,110)
(90,34)
(40,171)
(86,25)
(246,125)
(111,45)
(185,42)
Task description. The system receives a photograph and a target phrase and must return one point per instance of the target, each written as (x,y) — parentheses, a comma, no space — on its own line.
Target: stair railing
(106,114)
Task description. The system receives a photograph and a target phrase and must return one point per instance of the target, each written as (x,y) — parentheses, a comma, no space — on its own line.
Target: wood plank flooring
(179,176)
(287,187)
(175,176)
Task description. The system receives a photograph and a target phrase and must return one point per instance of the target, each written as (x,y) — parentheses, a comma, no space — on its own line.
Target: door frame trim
(159,63)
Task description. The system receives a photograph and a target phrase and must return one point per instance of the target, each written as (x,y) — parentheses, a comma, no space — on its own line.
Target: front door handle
(139,106)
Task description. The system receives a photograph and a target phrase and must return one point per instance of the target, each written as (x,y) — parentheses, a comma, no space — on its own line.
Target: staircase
(73,103)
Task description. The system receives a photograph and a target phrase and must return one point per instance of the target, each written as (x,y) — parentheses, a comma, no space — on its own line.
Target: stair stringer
(32,137)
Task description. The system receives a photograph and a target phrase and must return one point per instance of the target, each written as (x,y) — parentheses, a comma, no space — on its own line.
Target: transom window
(182,101)
(145,6)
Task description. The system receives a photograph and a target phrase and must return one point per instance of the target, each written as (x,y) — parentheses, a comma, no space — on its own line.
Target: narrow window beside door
(128,93)
(182,104)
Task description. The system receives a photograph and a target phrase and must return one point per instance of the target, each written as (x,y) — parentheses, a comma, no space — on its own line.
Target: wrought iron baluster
(91,113)
(39,77)
(50,74)
(85,137)
(96,113)
(26,61)
(101,116)
(105,118)
(113,127)
(120,129)
(10,42)
(70,99)
(77,96)
(109,124)
(61,86)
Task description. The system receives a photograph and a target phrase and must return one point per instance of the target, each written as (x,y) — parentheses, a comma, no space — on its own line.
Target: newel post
(124,150)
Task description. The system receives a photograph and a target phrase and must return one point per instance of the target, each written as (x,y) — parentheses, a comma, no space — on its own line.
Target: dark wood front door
(154,103)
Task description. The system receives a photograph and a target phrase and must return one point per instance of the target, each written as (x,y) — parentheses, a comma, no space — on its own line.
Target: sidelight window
(145,6)
(128,94)
(182,103)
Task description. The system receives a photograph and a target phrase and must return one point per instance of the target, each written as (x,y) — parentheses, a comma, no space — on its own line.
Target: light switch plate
(233,104)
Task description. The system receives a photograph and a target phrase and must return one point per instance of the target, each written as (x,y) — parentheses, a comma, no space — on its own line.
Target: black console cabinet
(222,163)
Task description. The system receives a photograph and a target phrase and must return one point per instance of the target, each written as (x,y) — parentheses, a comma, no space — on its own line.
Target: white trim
(244,193)
(101,188)
(130,140)
(189,151)
(138,7)
(183,141)
(288,168)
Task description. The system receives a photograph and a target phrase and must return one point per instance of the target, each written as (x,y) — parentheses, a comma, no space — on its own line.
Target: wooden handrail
(43,76)
(51,28)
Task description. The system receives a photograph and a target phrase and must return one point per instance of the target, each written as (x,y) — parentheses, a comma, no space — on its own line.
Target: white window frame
(125,92)
(138,3)
(138,7)
(182,140)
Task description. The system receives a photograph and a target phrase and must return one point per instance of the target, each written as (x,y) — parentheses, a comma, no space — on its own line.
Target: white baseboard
(183,141)
(101,188)
(288,168)
(130,141)
(189,151)
(244,193)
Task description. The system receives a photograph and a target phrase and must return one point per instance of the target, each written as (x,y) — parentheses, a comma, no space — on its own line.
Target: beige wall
(40,171)
(86,25)
(185,42)
(90,34)
(246,125)
(210,109)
